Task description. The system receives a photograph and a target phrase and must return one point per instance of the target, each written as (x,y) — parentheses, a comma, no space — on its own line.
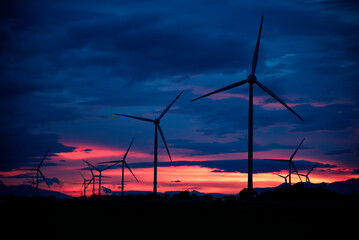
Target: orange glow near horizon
(67,165)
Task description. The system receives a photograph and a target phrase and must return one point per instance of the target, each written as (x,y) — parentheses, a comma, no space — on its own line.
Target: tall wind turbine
(123,167)
(38,171)
(251,80)
(290,162)
(156,121)
(100,174)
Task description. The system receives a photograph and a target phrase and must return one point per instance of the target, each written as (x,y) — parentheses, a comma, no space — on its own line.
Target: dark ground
(108,217)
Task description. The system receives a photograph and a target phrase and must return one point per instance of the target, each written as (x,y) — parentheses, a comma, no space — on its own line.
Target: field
(177,218)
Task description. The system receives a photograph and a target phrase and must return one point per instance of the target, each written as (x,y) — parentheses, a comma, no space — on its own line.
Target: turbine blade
(237,84)
(115,161)
(315,165)
(295,169)
(43,158)
(43,177)
(291,157)
(109,166)
(267,90)
(89,164)
(128,149)
(164,141)
(139,118)
(90,181)
(279,175)
(169,106)
(131,172)
(255,56)
(82,176)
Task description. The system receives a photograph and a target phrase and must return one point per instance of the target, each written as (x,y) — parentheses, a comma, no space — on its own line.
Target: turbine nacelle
(251,78)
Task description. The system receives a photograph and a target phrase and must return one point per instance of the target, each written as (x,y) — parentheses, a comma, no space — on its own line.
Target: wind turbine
(285,177)
(99,176)
(290,162)
(84,184)
(123,167)
(156,121)
(38,171)
(307,175)
(251,80)
(92,179)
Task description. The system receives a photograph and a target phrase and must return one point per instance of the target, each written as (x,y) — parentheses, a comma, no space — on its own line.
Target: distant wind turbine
(156,121)
(100,174)
(285,177)
(307,175)
(92,179)
(85,184)
(290,162)
(252,79)
(38,171)
(123,167)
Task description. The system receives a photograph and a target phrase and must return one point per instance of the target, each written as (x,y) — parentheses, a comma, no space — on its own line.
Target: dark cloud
(19,148)
(332,117)
(51,181)
(177,181)
(339,152)
(200,148)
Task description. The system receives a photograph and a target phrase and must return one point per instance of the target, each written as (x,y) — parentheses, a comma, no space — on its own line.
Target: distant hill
(28,191)
(343,187)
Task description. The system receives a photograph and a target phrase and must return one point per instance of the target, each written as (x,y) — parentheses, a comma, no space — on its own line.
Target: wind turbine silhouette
(285,177)
(251,80)
(123,167)
(307,175)
(84,185)
(92,179)
(156,121)
(290,162)
(38,171)
(99,176)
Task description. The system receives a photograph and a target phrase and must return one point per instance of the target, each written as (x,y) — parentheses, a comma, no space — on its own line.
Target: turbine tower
(123,167)
(251,80)
(38,172)
(290,162)
(156,121)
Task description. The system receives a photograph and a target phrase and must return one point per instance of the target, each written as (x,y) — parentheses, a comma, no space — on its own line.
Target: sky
(68,66)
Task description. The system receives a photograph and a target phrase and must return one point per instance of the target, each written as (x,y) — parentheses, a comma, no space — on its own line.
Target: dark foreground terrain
(115,218)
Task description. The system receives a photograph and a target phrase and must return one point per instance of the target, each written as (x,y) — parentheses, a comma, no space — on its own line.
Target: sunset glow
(199,79)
